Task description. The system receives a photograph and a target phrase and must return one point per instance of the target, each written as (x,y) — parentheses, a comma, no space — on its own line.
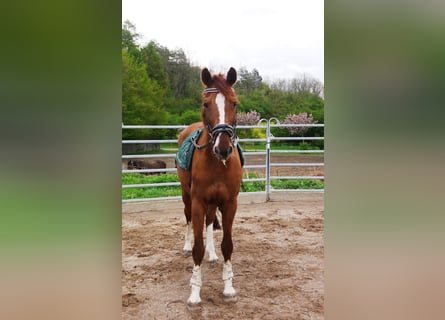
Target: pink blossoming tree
(250,118)
(301,118)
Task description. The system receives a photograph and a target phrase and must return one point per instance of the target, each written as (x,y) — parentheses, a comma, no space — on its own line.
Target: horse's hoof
(193,305)
(213,261)
(230,297)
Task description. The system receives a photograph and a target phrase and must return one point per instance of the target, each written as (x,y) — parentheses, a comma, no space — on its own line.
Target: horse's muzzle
(223,153)
(223,136)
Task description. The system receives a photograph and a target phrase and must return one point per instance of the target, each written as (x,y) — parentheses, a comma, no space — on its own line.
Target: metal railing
(266,124)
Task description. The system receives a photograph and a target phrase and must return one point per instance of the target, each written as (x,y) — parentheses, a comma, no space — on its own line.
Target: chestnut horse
(214,179)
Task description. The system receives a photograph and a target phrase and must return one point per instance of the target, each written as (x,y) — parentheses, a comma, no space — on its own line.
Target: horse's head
(218,111)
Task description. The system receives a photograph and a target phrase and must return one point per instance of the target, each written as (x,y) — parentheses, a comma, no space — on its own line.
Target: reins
(218,129)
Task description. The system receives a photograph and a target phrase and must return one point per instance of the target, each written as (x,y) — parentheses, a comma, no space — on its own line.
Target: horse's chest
(218,192)
(216,187)
(217,184)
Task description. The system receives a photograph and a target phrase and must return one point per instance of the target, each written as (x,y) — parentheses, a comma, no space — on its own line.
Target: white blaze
(221,104)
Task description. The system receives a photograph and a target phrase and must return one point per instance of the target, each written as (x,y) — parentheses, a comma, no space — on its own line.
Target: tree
(155,65)
(184,81)
(248,81)
(257,101)
(142,98)
(303,85)
(301,118)
(190,116)
(129,37)
(250,118)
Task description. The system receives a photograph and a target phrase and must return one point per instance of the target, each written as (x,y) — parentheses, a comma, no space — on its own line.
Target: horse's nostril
(223,152)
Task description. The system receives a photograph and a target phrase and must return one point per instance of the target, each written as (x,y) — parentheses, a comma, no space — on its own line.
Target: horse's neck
(204,136)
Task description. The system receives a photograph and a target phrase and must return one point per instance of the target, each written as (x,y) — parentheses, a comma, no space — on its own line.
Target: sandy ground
(277,261)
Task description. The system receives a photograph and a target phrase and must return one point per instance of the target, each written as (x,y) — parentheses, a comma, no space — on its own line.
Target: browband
(211,90)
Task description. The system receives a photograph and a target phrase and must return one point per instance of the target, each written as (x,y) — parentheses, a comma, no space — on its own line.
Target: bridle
(213,132)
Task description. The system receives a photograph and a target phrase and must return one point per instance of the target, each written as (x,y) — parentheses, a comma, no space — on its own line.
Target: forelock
(220,82)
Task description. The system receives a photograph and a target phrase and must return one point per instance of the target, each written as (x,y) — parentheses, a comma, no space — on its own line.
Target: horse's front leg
(228,215)
(198,213)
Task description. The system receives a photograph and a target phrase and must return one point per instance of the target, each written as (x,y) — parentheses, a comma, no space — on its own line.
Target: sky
(282,39)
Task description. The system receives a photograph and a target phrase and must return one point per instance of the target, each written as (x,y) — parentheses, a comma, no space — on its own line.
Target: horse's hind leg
(187,249)
(210,245)
(228,215)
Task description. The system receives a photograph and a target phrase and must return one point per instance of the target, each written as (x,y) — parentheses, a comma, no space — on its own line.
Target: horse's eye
(206,105)
(235,105)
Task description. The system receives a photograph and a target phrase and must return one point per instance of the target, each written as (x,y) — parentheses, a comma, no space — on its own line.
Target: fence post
(268,136)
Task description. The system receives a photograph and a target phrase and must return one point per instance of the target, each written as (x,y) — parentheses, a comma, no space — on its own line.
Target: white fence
(264,124)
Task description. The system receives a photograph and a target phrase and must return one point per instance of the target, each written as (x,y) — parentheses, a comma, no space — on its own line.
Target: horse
(214,179)
(147,164)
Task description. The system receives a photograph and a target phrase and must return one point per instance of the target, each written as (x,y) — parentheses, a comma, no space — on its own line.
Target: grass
(168,191)
(261,146)
(149,192)
(297,184)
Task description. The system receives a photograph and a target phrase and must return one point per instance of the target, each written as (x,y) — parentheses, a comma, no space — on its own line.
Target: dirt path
(277,261)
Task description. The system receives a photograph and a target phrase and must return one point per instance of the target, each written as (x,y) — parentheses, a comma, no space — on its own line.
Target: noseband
(213,132)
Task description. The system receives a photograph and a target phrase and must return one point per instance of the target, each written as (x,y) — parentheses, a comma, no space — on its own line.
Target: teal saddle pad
(185,152)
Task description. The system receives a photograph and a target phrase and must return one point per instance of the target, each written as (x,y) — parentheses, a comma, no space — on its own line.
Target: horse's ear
(231,76)
(206,77)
